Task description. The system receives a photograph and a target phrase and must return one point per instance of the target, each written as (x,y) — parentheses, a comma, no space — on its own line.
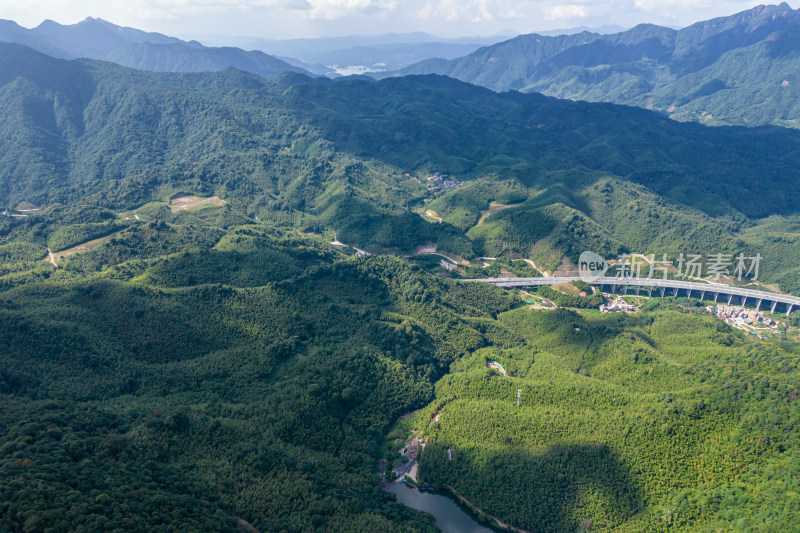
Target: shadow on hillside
(566,488)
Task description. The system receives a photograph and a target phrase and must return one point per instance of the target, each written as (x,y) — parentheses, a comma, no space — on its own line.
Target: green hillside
(740,70)
(667,421)
(351,157)
(182,375)
(193,339)
(209,388)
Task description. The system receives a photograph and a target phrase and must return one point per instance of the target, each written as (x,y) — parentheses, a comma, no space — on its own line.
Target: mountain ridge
(712,71)
(95,38)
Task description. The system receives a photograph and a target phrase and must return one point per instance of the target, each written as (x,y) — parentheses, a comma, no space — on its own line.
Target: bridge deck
(712,288)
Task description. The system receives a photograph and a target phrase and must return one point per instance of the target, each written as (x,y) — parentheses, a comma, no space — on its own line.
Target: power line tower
(519,394)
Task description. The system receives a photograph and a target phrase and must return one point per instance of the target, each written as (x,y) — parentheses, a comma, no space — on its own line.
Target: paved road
(790,302)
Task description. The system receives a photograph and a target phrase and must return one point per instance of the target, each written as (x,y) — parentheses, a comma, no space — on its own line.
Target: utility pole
(519,393)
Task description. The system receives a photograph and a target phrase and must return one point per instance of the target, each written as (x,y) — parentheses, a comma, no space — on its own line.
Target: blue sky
(307,18)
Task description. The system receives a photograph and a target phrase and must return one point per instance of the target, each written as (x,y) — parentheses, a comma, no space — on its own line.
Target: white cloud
(312,9)
(566,12)
(289,18)
(336,9)
(154,9)
(654,5)
(468,10)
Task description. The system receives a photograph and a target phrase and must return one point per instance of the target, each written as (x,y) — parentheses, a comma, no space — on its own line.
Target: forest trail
(544,273)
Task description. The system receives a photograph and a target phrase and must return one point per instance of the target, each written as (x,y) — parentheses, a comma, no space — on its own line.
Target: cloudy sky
(308,18)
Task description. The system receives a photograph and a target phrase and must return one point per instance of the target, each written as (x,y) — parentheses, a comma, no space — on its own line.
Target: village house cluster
(744,319)
(617,305)
(443,182)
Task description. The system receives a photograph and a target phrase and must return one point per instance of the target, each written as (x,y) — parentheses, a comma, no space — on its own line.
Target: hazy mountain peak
(5,23)
(47,23)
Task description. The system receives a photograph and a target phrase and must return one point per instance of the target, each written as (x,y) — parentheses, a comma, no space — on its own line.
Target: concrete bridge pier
(758,305)
(702,295)
(789,311)
(663,291)
(649,291)
(730,299)
(716,296)
(774,305)
(744,301)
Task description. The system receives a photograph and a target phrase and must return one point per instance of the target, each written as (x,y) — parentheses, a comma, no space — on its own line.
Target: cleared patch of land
(180,202)
(494,207)
(567,288)
(433,215)
(55,257)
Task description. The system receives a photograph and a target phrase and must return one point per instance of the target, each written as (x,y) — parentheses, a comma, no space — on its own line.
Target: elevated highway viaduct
(664,287)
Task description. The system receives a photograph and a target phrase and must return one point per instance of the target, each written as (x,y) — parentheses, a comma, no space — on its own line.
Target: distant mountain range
(331,56)
(743,69)
(98,39)
(387,51)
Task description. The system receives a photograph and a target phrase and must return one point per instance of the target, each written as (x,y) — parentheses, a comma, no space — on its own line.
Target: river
(450,517)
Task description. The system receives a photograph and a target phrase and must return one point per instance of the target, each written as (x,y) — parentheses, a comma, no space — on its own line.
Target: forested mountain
(246,384)
(743,69)
(99,39)
(328,154)
(199,371)
(186,344)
